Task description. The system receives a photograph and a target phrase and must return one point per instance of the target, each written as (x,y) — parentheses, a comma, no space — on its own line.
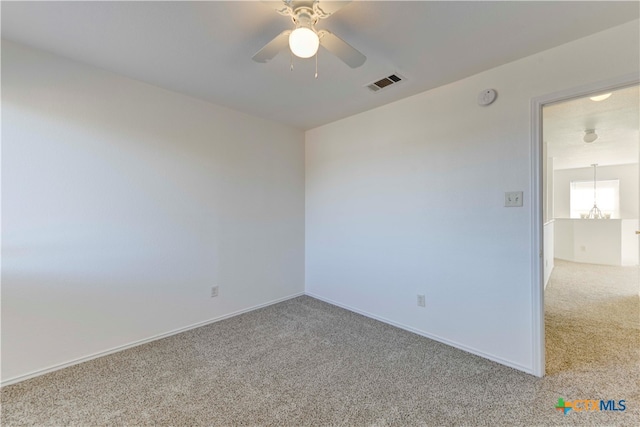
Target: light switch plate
(513,199)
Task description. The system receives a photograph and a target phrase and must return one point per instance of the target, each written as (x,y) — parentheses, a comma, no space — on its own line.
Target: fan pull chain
(291,59)
(316,76)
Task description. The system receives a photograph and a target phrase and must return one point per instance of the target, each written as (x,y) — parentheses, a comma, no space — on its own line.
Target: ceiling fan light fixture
(600,97)
(304,42)
(305,39)
(590,136)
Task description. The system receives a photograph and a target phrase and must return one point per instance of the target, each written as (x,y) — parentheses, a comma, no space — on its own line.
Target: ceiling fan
(304,40)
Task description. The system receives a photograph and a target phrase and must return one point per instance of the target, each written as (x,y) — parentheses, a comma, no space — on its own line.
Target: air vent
(386,82)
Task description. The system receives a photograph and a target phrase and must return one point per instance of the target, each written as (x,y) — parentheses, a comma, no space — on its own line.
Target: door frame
(537,285)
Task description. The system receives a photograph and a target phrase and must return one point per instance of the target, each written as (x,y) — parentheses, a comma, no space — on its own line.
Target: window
(607,197)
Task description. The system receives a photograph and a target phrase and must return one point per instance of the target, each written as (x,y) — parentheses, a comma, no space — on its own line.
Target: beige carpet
(304,362)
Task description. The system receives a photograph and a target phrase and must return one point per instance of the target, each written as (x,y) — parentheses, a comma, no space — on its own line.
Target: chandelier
(595,212)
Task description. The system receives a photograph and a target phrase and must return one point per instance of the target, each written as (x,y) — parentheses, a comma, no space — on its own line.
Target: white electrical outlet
(421,301)
(214,291)
(513,199)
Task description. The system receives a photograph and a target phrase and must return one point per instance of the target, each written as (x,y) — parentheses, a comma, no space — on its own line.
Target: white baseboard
(56,367)
(142,341)
(454,344)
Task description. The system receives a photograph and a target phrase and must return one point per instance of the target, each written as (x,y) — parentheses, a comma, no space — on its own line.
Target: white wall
(548,265)
(629,187)
(589,241)
(629,239)
(564,240)
(408,198)
(547,188)
(124,203)
(602,241)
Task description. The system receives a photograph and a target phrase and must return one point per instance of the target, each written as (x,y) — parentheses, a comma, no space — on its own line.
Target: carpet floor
(304,362)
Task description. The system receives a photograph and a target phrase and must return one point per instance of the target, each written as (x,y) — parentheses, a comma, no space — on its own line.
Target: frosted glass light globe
(600,97)
(303,42)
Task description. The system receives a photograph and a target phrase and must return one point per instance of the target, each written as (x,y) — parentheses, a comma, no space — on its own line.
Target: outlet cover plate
(513,199)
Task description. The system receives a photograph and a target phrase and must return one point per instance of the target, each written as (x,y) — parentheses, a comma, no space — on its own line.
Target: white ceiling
(204,49)
(616,121)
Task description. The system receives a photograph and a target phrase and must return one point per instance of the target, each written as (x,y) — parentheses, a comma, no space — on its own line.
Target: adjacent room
(316,213)
(591,204)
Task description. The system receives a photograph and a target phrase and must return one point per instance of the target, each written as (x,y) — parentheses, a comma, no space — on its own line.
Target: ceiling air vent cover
(385,82)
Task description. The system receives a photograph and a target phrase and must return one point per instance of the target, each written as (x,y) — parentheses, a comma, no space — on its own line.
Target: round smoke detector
(487,97)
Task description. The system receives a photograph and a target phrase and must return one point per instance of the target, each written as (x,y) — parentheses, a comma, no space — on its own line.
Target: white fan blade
(328,8)
(267,53)
(341,49)
(280,6)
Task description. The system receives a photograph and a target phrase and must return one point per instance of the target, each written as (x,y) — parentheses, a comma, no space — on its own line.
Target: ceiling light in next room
(590,135)
(600,97)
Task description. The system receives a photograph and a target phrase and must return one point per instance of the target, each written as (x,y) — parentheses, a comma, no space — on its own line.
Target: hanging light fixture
(595,212)
(304,40)
(590,136)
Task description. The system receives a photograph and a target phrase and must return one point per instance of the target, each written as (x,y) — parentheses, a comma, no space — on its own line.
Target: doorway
(566,146)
